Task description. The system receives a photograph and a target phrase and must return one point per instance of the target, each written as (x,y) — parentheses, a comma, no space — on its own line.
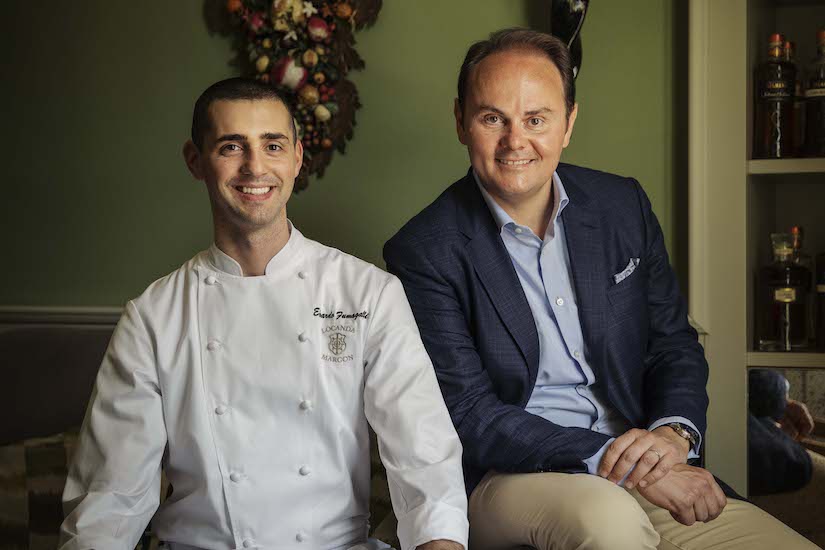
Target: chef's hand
(690,494)
(650,454)
(441,545)
(797,421)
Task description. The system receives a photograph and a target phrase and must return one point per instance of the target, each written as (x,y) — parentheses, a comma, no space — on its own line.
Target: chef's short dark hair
(233,89)
(521,39)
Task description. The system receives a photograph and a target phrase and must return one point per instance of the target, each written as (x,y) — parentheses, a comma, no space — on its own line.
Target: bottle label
(816,89)
(776,90)
(820,289)
(784,295)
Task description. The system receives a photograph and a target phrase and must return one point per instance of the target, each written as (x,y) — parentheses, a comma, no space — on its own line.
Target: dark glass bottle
(782,300)
(815,102)
(773,105)
(789,51)
(820,302)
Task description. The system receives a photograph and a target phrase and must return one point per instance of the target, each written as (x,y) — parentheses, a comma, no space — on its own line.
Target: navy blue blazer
(479,331)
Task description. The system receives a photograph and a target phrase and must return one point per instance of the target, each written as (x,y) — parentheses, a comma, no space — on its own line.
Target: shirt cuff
(433,521)
(694,451)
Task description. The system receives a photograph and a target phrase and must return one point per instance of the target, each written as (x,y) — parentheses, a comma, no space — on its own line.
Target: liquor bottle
(820,302)
(773,105)
(815,102)
(789,53)
(782,300)
(800,257)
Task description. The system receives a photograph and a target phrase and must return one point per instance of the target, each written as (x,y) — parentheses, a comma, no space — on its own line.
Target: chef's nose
(253,163)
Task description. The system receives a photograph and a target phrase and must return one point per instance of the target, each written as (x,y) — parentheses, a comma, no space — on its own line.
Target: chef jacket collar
(221,261)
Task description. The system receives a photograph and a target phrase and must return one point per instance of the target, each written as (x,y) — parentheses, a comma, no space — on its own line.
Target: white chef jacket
(254,393)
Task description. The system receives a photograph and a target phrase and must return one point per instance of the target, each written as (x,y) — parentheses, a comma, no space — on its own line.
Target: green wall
(96,104)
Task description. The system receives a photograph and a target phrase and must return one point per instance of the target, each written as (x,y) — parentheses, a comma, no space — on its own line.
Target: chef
(251,373)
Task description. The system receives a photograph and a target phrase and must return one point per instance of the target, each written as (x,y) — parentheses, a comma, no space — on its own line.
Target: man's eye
(274,147)
(535,121)
(492,119)
(230,148)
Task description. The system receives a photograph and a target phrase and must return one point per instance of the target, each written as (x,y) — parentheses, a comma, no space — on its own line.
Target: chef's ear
(192,156)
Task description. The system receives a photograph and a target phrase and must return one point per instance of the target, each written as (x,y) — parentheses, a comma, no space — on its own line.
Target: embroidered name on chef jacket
(339,338)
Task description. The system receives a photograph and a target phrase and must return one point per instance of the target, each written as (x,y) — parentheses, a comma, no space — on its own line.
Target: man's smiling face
(249,162)
(514,123)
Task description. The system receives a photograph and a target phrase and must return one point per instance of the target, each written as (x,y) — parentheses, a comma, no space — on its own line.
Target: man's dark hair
(233,89)
(521,39)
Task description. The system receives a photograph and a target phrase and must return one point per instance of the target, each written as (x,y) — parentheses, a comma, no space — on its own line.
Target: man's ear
(571,121)
(299,156)
(459,123)
(192,157)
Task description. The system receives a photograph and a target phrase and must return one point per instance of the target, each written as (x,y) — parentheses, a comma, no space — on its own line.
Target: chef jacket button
(305,470)
(213,345)
(301,537)
(305,405)
(247,543)
(220,409)
(302,274)
(235,477)
(302,337)
(211,280)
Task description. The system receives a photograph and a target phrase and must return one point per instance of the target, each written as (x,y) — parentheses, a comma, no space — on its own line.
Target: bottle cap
(820,37)
(776,40)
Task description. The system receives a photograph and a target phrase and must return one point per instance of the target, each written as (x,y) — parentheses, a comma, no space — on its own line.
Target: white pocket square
(626,272)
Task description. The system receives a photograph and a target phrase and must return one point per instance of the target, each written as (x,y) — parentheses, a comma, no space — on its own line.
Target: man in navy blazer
(545,298)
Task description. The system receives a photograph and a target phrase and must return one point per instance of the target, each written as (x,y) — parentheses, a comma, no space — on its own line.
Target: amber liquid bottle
(782,300)
(774,103)
(815,102)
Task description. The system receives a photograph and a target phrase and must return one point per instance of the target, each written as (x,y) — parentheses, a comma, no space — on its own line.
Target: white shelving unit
(735,202)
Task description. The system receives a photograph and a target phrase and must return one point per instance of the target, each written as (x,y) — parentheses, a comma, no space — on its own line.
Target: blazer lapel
(585,246)
(495,269)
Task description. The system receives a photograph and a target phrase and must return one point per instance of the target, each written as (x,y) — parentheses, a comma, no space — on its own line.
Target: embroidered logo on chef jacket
(340,339)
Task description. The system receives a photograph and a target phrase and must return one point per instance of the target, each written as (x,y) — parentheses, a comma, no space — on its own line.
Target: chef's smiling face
(249,161)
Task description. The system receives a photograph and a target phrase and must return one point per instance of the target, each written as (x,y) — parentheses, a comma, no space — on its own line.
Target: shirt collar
(222,261)
(502,218)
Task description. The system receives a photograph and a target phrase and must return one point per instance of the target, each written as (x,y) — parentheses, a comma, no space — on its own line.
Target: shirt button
(247,543)
(305,405)
(213,345)
(302,274)
(235,477)
(559,301)
(211,280)
(577,354)
(301,537)
(518,230)
(220,409)
(302,337)
(304,470)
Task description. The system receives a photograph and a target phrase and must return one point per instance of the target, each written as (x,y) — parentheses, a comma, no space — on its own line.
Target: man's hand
(652,453)
(797,421)
(690,494)
(441,545)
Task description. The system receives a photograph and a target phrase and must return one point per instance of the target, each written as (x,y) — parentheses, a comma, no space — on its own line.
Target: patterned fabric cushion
(33,473)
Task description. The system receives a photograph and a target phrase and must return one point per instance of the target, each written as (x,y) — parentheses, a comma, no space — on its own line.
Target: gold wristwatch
(685,432)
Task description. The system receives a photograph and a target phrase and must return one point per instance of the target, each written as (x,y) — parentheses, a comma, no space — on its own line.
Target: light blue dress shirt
(566,391)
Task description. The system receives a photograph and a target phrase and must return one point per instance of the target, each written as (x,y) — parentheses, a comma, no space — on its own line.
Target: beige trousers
(582,511)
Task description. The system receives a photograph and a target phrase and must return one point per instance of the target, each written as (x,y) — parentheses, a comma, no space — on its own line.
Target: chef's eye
(274,147)
(535,122)
(492,119)
(230,148)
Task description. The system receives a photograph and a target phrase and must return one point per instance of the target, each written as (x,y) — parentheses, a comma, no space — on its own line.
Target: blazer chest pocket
(631,290)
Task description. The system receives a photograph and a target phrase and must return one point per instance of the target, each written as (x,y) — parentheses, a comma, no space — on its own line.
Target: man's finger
(700,508)
(629,459)
(615,451)
(660,471)
(647,462)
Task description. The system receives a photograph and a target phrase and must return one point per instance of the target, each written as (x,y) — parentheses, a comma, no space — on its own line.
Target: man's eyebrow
(274,135)
(485,107)
(231,137)
(539,111)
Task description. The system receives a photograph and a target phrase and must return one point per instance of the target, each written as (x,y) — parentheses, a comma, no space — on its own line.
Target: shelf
(789,360)
(787,166)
